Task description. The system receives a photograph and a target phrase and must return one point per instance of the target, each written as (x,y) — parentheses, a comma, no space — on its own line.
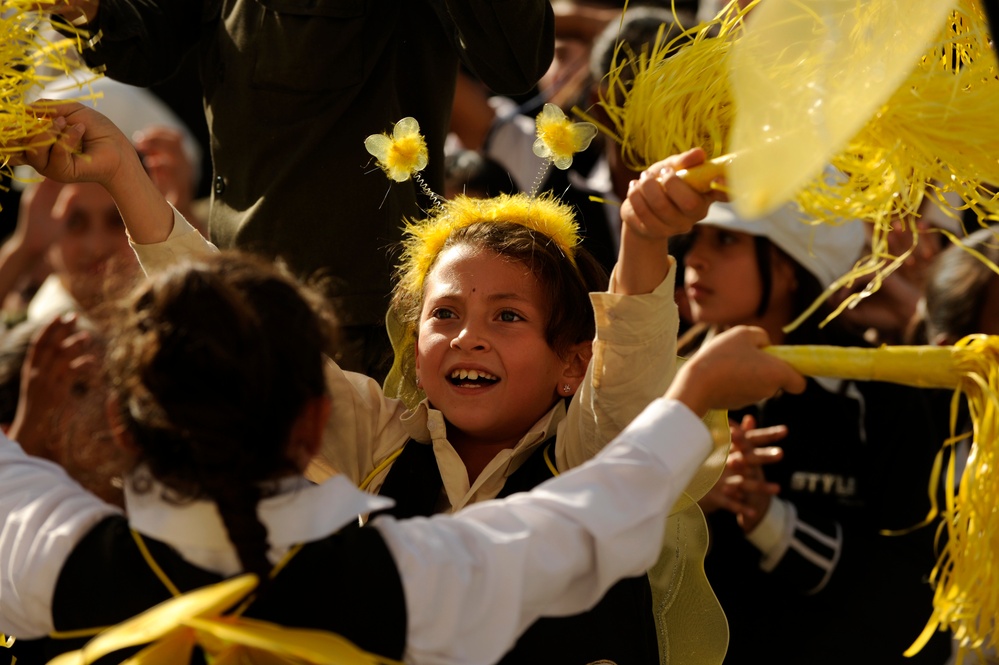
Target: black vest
(620,628)
(345,583)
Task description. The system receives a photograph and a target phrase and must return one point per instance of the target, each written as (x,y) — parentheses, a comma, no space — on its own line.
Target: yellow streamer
(966,576)
(930,134)
(29,58)
(174,628)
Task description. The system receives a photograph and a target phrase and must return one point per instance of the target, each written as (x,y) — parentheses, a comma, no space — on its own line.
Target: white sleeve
(184,241)
(45,514)
(475,580)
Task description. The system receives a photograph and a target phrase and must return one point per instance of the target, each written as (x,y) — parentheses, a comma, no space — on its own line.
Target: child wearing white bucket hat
(796,529)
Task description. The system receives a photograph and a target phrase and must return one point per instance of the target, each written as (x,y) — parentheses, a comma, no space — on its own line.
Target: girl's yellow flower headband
(403,154)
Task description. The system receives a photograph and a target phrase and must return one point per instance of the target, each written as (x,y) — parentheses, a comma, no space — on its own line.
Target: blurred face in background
(92,254)
(723,284)
(721,276)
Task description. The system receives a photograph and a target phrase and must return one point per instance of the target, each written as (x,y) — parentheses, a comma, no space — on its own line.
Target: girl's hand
(731,371)
(743,488)
(751,450)
(85,146)
(660,204)
(60,368)
(80,145)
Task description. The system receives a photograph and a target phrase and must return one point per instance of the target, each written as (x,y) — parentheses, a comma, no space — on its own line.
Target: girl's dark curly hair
(211,363)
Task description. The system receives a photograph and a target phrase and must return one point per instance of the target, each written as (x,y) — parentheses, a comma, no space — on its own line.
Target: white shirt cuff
(772,535)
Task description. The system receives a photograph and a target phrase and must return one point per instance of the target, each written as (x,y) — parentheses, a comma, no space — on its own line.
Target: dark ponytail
(211,364)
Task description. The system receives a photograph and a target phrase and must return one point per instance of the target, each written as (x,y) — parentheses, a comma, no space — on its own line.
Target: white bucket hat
(828,251)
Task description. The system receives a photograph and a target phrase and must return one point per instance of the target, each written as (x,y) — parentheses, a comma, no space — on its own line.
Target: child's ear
(306,435)
(576,362)
(119,431)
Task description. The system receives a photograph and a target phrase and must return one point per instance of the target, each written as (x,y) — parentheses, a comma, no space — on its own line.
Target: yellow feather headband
(425,239)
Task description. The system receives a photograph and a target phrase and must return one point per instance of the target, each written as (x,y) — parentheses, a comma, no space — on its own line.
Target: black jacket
(293,87)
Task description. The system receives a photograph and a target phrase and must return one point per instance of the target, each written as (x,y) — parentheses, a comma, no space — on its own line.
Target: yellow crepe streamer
(674,96)
(174,628)
(966,576)
(29,59)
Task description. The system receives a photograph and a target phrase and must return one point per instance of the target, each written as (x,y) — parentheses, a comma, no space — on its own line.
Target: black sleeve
(143,42)
(508,44)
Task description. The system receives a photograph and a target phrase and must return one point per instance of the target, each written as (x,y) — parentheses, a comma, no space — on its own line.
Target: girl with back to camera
(494,304)
(796,542)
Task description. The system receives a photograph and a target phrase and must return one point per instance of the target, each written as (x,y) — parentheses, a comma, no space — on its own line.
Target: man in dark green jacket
(291,90)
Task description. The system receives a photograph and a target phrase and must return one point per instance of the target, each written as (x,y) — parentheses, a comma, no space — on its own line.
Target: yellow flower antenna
(558,140)
(403,155)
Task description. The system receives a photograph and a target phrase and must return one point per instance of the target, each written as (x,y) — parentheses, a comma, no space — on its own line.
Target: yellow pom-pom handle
(919,366)
(702,176)
(966,576)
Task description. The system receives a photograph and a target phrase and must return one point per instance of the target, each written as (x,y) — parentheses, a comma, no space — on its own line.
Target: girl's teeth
(471,374)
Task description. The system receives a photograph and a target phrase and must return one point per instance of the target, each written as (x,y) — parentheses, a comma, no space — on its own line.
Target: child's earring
(417,382)
(566,389)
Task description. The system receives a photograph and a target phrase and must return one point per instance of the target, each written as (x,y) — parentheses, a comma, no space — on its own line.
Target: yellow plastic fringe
(935,128)
(666,99)
(171,630)
(28,59)
(966,576)
(934,134)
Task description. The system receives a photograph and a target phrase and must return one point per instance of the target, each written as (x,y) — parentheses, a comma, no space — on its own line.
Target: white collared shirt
(473,581)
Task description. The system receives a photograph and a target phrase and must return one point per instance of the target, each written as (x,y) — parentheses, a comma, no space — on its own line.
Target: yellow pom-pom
(966,576)
(29,58)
